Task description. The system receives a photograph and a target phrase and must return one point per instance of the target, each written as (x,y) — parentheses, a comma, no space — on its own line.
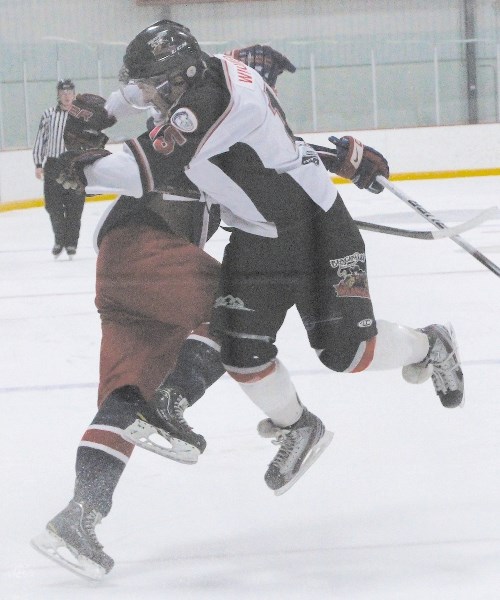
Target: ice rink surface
(404,504)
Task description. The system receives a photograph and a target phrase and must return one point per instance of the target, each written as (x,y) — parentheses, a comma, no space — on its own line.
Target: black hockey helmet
(161,51)
(65,84)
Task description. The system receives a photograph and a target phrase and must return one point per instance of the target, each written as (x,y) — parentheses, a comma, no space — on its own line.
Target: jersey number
(165,139)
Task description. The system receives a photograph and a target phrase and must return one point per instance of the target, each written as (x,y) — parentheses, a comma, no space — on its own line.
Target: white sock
(397,346)
(275,395)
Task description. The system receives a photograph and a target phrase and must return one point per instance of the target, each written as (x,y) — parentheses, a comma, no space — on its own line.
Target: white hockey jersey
(257,153)
(230,137)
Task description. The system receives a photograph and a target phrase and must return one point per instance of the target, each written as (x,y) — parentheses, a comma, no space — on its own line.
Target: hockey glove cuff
(359,163)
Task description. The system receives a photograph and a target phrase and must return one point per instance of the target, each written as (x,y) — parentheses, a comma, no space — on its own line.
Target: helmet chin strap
(164,89)
(169,103)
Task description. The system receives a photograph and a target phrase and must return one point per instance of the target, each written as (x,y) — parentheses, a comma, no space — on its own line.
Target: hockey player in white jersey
(293,241)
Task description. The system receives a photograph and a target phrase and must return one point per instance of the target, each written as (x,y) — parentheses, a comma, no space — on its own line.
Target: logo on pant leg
(365,323)
(232,303)
(353,279)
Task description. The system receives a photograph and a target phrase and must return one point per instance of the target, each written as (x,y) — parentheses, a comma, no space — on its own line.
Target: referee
(65,207)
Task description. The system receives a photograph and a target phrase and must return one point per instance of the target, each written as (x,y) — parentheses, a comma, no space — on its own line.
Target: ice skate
(162,429)
(70,251)
(442,363)
(70,540)
(301,444)
(56,250)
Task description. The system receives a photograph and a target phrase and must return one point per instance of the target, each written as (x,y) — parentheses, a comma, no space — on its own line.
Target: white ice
(404,504)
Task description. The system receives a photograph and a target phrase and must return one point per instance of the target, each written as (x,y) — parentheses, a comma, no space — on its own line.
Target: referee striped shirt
(49,142)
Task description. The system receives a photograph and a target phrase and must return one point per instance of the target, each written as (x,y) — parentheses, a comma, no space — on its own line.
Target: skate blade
(308,462)
(50,545)
(140,433)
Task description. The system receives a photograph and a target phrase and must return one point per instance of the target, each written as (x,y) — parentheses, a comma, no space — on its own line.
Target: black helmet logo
(162,47)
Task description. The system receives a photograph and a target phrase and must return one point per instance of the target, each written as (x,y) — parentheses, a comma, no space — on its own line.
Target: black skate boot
(73,529)
(165,417)
(56,250)
(70,251)
(442,363)
(301,444)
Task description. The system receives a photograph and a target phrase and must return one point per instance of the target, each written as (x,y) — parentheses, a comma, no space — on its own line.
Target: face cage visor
(140,92)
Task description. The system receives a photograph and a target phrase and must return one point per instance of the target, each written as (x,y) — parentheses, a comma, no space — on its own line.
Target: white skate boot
(442,363)
(301,444)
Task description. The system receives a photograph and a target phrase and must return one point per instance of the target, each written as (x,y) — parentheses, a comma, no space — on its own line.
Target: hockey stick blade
(447,232)
(423,212)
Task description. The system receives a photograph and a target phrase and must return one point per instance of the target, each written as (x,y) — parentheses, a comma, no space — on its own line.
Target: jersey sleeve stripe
(145,172)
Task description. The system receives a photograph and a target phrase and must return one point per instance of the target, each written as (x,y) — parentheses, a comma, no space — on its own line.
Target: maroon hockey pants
(152,289)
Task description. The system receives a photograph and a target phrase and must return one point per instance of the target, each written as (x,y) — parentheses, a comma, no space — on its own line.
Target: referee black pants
(65,207)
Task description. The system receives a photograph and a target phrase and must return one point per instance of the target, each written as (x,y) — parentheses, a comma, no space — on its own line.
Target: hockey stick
(439,224)
(446,232)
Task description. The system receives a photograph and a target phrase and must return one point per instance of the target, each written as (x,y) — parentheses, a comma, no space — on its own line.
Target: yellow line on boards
(434,175)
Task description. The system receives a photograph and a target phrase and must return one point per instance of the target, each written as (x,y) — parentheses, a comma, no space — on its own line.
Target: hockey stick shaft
(419,235)
(432,235)
(423,212)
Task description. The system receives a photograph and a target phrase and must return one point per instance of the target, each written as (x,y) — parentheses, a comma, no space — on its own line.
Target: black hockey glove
(71,164)
(87,117)
(269,63)
(361,164)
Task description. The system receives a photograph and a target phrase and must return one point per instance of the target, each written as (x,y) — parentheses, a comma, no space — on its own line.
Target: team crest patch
(353,279)
(184,120)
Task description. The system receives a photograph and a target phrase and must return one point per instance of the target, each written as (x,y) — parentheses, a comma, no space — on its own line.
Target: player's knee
(198,367)
(348,355)
(243,357)
(119,409)
(125,394)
